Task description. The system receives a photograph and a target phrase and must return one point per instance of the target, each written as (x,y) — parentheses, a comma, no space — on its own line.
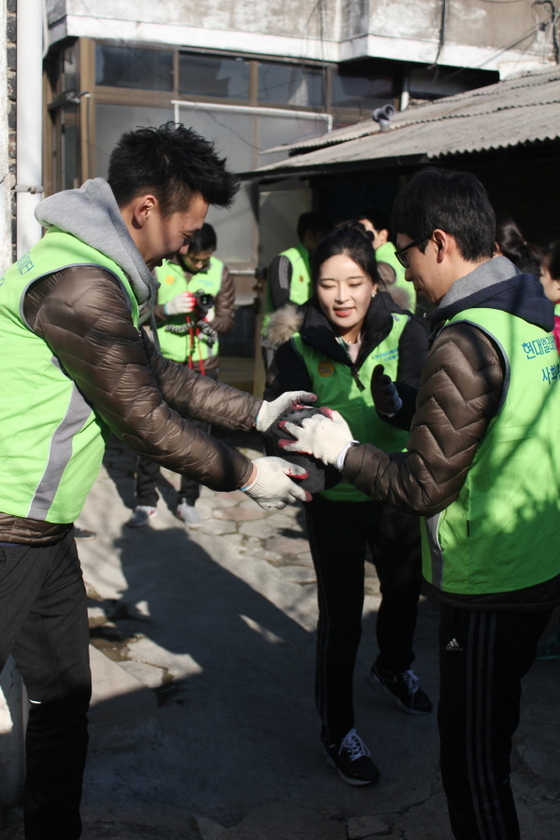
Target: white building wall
(475,33)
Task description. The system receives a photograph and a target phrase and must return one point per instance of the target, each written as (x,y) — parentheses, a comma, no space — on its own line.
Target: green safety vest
(337,388)
(501,533)
(51,440)
(386,253)
(300,284)
(181,346)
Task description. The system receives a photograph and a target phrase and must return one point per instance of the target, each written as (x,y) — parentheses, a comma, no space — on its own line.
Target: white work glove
(269,411)
(325,436)
(385,395)
(181,304)
(272,488)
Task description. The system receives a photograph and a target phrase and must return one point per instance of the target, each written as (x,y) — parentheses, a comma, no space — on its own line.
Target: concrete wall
(296,28)
(475,32)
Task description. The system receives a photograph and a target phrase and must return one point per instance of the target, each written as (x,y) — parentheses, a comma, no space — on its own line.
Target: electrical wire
(495,55)
(441,35)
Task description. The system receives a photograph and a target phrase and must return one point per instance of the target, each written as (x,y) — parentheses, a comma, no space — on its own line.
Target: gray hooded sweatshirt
(92,215)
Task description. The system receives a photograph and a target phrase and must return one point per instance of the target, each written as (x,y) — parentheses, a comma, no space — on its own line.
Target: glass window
(65,139)
(240,137)
(71,148)
(70,68)
(234,135)
(133,67)
(276,130)
(352,88)
(291,84)
(113,120)
(201,75)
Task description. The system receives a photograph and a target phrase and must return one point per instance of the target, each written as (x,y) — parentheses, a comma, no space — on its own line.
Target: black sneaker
(351,759)
(404,687)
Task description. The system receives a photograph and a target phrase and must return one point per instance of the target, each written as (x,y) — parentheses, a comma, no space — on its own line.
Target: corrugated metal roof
(508,113)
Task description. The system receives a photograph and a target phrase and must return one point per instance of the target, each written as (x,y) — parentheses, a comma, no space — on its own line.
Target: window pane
(213,76)
(240,137)
(133,67)
(291,84)
(234,136)
(276,130)
(70,69)
(114,120)
(354,89)
(71,148)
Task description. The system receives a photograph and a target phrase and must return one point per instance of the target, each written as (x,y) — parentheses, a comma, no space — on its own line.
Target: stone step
(123,711)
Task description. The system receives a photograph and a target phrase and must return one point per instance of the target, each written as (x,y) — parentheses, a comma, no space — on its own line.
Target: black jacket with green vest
(288,370)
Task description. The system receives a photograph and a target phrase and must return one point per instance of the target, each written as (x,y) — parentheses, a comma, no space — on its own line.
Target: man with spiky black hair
(75,367)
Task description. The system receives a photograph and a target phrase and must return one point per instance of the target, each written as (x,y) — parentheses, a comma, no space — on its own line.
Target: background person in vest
(75,366)
(483,466)
(390,269)
(331,346)
(176,314)
(289,275)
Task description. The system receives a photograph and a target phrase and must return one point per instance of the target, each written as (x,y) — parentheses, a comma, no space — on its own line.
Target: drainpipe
(29,154)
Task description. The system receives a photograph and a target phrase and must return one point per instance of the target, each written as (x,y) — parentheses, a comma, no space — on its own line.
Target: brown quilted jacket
(84,316)
(460,391)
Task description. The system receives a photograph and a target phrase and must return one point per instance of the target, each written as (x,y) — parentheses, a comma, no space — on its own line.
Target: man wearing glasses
(483,467)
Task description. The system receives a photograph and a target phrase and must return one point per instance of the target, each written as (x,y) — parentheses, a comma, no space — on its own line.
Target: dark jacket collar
(497,284)
(318,332)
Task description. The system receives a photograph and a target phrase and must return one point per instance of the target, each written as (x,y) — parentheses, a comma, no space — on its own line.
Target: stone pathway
(220,739)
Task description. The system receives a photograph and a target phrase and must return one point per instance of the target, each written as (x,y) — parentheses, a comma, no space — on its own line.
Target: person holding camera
(195,305)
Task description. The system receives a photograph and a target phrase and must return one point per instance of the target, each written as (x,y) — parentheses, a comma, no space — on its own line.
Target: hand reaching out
(324,436)
(272,486)
(270,411)
(384,393)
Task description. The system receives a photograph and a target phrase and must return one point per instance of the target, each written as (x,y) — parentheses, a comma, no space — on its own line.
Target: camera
(204,302)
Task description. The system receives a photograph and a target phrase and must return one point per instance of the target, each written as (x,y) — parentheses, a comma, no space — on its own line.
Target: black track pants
(338,535)
(43,623)
(483,657)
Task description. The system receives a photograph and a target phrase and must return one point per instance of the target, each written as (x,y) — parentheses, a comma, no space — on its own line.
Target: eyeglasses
(400,254)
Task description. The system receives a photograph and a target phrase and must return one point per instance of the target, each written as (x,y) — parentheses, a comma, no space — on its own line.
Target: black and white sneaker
(404,688)
(351,759)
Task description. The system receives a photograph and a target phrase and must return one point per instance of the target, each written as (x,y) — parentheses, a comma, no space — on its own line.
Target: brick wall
(11,6)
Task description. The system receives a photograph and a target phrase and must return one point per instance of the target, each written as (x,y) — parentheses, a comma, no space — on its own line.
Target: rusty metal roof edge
(289,168)
(268,175)
(403,118)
